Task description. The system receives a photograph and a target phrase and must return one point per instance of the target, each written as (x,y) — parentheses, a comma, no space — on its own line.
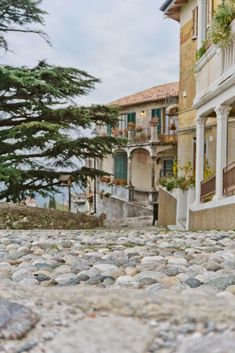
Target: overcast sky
(126,43)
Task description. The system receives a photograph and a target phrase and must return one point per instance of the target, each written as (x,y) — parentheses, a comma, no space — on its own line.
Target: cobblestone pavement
(127,288)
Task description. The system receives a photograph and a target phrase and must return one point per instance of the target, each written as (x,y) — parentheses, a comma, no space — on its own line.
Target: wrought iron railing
(229,179)
(207,188)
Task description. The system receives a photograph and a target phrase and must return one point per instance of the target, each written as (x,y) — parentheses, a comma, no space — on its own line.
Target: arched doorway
(141,169)
(120,165)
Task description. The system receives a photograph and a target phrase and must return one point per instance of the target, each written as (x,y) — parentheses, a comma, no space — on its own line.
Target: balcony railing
(216,65)
(207,189)
(168,138)
(139,136)
(229,179)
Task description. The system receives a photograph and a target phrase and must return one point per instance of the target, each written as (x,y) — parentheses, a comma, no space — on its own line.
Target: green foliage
(41,132)
(52,203)
(220,29)
(208,171)
(200,52)
(41,128)
(15,15)
(183,182)
(186,178)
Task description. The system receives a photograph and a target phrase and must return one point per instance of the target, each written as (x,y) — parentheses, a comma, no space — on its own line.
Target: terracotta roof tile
(153,94)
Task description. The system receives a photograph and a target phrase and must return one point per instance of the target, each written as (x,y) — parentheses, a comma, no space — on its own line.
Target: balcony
(208,186)
(215,67)
(145,136)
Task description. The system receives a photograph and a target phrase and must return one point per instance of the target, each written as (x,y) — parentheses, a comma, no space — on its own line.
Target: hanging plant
(220,29)
(200,52)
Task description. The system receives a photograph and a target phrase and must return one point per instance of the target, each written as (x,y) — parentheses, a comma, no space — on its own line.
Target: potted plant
(139,128)
(173,127)
(131,126)
(220,29)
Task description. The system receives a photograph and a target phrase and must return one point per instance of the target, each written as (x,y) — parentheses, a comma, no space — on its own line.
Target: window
(156,113)
(195,23)
(122,123)
(120,165)
(167,167)
(131,118)
(109,130)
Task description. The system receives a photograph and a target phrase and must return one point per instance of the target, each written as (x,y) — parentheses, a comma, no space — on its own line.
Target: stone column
(202,13)
(130,170)
(222,113)
(154,132)
(199,157)
(153,173)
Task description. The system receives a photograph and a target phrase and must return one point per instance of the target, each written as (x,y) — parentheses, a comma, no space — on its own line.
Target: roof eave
(171,8)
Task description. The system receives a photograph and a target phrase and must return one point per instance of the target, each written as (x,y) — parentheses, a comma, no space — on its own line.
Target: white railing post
(200,127)
(222,113)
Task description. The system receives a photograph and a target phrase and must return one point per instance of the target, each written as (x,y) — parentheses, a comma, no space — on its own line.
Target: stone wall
(218,218)
(115,208)
(23,217)
(167,209)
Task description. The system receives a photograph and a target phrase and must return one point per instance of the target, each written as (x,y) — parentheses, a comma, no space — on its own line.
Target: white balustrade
(215,66)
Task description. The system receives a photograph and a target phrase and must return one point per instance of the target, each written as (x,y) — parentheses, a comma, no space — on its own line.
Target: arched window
(120,165)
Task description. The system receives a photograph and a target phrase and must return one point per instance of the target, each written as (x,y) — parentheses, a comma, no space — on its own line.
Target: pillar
(154,132)
(200,128)
(153,162)
(202,13)
(130,170)
(222,113)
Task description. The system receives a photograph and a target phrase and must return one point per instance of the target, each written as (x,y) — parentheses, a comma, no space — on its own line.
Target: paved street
(162,291)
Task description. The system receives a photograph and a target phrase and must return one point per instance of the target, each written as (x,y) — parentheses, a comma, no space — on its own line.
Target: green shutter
(131,118)
(109,130)
(168,166)
(120,165)
(156,113)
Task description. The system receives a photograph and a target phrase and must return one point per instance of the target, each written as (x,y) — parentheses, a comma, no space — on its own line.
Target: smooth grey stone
(41,277)
(147,281)
(193,282)
(82,278)
(222,283)
(109,281)
(216,343)
(15,320)
(67,279)
(213,266)
(80,266)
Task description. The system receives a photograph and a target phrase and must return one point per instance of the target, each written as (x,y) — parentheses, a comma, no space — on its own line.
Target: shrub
(220,29)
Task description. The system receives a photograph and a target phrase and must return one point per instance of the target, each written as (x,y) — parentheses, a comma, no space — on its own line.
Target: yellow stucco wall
(187,115)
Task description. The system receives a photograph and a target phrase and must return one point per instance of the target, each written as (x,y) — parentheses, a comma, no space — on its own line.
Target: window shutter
(131,118)
(109,130)
(168,166)
(156,113)
(120,166)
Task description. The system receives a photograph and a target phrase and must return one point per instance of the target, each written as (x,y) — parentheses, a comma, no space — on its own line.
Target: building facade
(148,122)
(206,112)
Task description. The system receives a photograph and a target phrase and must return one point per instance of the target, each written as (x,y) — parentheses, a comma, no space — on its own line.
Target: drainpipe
(94,212)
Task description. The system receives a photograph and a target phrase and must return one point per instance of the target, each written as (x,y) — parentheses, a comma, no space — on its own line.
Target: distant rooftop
(171,8)
(153,94)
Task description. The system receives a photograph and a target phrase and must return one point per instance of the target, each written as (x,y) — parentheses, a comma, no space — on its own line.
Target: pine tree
(40,126)
(18,16)
(40,133)
(52,203)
